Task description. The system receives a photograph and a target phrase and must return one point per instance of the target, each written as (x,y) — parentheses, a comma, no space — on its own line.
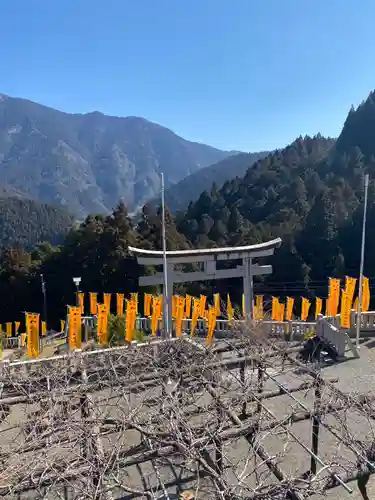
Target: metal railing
(293,330)
(287,329)
(10,342)
(15,342)
(222,325)
(367,325)
(367,321)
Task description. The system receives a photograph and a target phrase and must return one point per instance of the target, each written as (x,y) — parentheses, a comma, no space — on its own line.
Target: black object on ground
(313,348)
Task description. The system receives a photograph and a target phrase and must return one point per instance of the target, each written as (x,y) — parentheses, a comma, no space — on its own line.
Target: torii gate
(209,257)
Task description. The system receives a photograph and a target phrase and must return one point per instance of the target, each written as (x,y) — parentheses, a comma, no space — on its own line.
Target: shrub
(139,336)
(116,330)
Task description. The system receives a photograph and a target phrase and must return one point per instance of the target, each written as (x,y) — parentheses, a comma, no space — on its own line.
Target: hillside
(25,223)
(181,194)
(88,162)
(311,195)
(270,198)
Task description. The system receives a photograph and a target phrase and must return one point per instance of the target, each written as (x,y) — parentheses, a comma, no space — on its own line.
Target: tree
(318,241)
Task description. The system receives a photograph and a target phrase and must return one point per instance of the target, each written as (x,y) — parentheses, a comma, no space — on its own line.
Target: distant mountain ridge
(189,189)
(88,162)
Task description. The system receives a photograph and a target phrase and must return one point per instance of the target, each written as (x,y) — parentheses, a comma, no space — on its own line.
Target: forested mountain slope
(271,197)
(310,194)
(25,223)
(181,194)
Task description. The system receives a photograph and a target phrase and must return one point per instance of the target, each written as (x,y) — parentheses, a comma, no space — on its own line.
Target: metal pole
(165,269)
(362,263)
(315,427)
(44,298)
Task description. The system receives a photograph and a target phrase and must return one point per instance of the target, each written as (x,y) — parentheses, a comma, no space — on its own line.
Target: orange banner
(74,330)
(131,315)
(32,332)
(211,324)
(345,310)
(93,303)
(229,309)
(120,304)
(102,328)
(147,304)
(187,306)
(259,307)
(350,284)
(8,327)
(202,306)
(333,297)
(107,302)
(134,298)
(365,294)
(318,307)
(180,309)
(81,301)
(196,314)
(305,309)
(275,309)
(281,312)
(155,316)
(289,308)
(217,304)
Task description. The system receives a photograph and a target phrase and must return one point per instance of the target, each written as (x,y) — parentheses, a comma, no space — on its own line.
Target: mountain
(179,195)
(25,223)
(88,162)
(9,191)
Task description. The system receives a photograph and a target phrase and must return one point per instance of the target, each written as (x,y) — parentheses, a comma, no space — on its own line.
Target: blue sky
(236,74)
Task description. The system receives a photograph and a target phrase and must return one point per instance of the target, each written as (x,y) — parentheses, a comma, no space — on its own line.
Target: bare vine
(239,419)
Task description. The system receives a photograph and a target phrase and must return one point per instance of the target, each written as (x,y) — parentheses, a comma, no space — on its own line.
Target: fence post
(353,318)
(315,427)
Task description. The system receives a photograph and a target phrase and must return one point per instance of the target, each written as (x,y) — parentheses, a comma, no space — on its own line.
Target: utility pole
(360,294)
(44,292)
(165,268)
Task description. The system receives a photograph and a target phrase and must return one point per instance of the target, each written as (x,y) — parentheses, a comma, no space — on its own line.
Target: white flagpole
(359,313)
(165,268)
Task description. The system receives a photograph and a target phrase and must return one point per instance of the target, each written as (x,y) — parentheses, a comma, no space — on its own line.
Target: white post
(362,263)
(248,287)
(170,286)
(165,268)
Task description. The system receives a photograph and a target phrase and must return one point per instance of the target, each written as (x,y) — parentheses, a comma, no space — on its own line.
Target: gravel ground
(354,376)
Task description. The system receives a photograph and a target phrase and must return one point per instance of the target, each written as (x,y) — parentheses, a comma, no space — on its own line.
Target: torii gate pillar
(248,286)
